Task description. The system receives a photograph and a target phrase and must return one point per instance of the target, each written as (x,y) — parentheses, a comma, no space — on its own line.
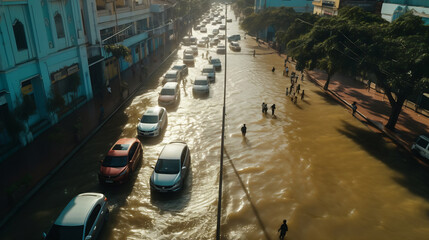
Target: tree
(118,51)
(55,102)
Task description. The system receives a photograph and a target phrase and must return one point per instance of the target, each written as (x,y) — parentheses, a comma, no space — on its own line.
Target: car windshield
(215,60)
(171,75)
(177,67)
(207,70)
(167,91)
(189,57)
(110,161)
(65,232)
(422,143)
(167,166)
(149,119)
(201,82)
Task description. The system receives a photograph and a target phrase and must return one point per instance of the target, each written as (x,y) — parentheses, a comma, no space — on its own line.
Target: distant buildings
(330,7)
(52,57)
(297,5)
(393,9)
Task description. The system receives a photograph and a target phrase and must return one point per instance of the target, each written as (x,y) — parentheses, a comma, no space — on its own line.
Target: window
(183,157)
(19,32)
(59,25)
(132,151)
(422,143)
(91,219)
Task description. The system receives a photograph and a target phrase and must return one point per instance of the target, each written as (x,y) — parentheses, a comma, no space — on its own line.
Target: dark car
(121,160)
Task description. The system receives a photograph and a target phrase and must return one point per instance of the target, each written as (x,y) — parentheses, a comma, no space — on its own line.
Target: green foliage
(117,50)
(248,11)
(13,125)
(56,102)
(280,18)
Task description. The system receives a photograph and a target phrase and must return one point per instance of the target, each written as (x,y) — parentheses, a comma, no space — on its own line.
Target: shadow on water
(200,95)
(326,97)
(414,176)
(255,211)
(245,142)
(176,201)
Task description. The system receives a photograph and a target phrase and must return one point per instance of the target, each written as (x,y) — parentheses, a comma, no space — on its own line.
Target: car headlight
(123,172)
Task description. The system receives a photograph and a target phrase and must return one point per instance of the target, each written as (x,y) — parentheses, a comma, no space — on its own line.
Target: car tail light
(105,199)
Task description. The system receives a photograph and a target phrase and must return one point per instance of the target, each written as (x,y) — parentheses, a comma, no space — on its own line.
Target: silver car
(82,218)
(172,168)
(153,121)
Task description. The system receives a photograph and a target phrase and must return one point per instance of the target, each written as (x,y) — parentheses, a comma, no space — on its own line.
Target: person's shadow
(245,141)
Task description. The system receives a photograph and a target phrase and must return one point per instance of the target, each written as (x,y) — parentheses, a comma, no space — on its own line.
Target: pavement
(26,170)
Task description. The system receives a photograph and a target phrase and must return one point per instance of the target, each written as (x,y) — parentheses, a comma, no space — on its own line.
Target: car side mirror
(139,119)
(153,167)
(184,167)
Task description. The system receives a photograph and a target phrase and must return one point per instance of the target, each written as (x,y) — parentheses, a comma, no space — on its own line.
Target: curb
(42,182)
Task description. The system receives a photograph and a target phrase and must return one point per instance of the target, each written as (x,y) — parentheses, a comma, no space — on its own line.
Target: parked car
(172,168)
(221,36)
(216,63)
(186,40)
(421,146)
(82,218)
(222,27)
(182,68)
(153,122)
(170,94)
(189,59)
(203,30)
(188,51)
(214,41)
(234,46)
(201,85)
(194,49)
(220,49)
(215,31)
(209,71)
(194,40)
(121,161)
(171,76)
(202,43)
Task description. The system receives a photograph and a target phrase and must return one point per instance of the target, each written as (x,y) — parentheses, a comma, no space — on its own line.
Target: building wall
(53,33)
(391,11)
(297,5)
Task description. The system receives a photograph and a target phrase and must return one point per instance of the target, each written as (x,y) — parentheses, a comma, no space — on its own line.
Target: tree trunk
(325,87)
(396,110)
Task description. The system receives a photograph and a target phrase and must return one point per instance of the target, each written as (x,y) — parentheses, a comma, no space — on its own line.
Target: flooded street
(312,163)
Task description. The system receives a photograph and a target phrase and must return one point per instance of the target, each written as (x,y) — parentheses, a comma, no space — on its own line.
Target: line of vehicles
(85,214)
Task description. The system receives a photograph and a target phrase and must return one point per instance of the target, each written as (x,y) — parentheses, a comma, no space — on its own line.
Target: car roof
(121,147)
(179,66)
(77,210)
(173,150)
(152,111)
(201,78)
(170,85)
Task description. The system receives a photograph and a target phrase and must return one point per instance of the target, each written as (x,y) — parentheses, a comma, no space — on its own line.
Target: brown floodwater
(312,163)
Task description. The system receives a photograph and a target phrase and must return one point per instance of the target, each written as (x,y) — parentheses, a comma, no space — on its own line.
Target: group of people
(265,108)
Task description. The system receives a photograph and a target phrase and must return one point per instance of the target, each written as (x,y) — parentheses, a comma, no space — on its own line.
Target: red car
(121,160)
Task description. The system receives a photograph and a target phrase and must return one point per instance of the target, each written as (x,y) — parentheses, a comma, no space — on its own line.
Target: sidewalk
(374,108)
(28,167)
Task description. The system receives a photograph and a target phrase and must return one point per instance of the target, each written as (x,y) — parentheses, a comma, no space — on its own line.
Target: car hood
(147,126)
(111,171)
(201,87)
(166,98)
(161,179)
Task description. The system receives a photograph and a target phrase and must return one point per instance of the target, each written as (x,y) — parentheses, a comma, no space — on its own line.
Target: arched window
(19,32)
(59,25)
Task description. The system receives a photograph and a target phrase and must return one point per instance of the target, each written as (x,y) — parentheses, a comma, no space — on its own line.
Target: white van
(421,146)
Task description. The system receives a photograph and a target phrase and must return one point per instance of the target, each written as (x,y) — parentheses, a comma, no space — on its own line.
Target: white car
(209,71)
(222,27)
(194,49)
(203,29)
(188,59)
(153,121)
(82,218)
(217,64)
(188,51)
(171,76)
(172,167)
(235,46)
(220,49)
(215,31)
(201,85)
(421,146)
(202,43)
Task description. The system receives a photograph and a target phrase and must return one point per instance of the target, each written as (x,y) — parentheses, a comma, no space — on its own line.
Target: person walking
(273,109)
(298,88)
(283,229)
(354,108)
(263,107)
(254,53)
(274,69)
(243,130)
(287,91)
(302,95)
(287,71)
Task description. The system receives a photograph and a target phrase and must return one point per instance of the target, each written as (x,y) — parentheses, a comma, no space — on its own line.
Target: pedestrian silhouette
(354,108)
(283,229)
(273,108)
(302,95)
(287,91)
(287,71)
(254,53)
(263,107)
(274,69)
(243,130)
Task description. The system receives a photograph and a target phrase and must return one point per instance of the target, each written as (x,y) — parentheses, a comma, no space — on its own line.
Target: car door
(131,156)
(91,226)
(161,120)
